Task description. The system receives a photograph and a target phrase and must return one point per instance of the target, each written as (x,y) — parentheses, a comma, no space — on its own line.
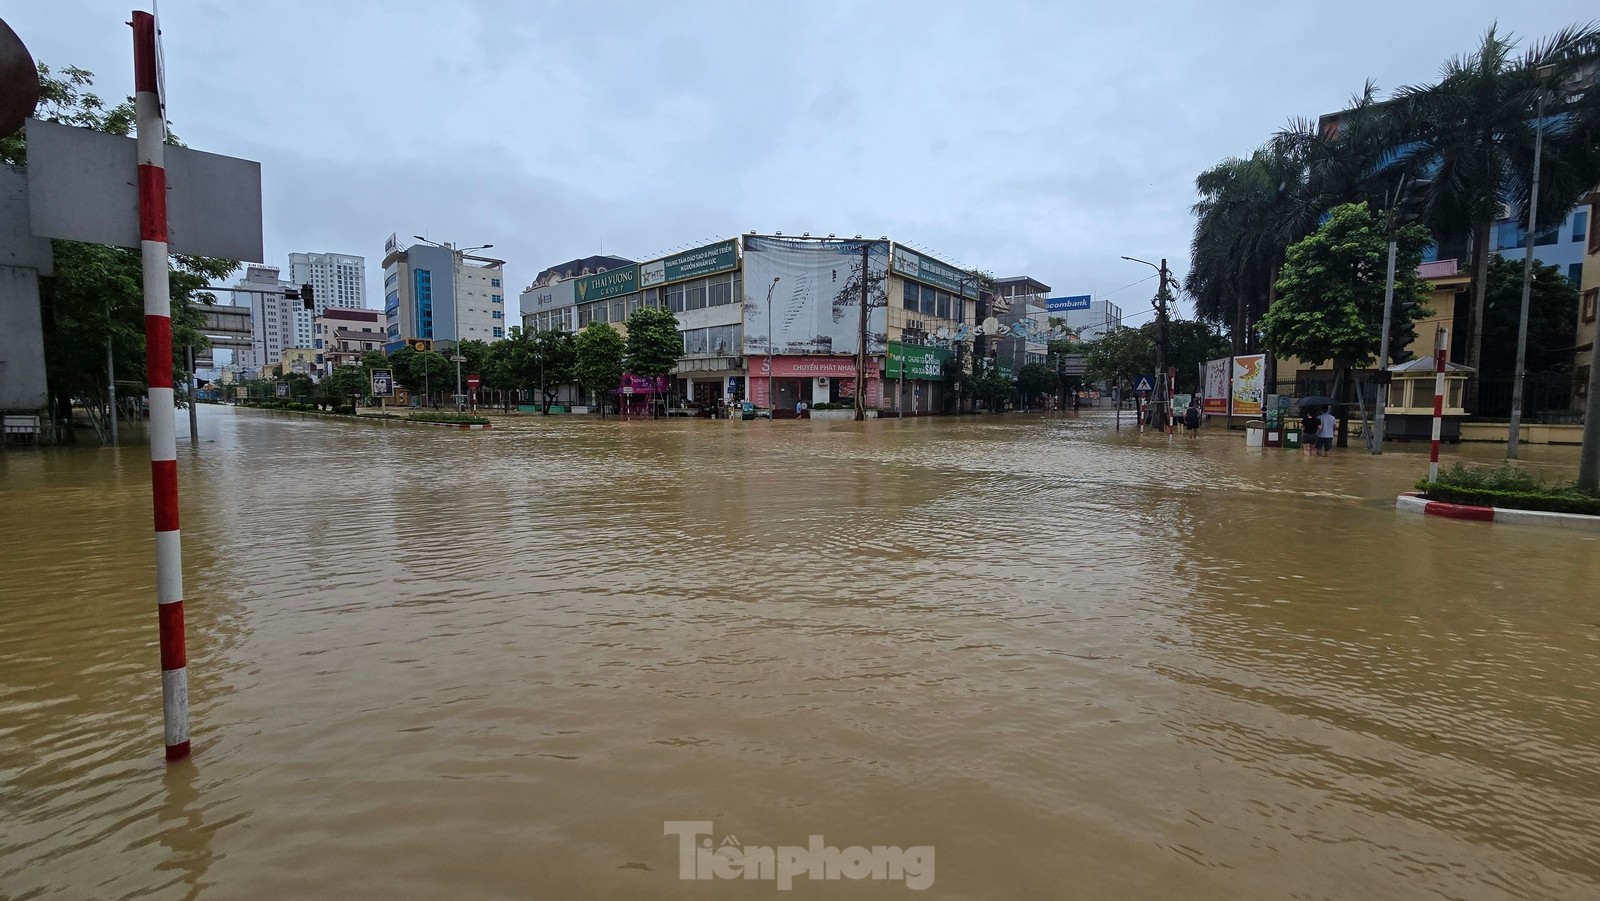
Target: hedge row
(1551,500)
(448,417)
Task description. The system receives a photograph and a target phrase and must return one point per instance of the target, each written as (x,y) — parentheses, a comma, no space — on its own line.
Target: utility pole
(194,413)
(861,347)
(1514,434)
(1162,339)
(111,389)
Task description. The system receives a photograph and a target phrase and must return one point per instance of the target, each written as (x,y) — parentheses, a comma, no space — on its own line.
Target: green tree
(600,353)
(95,299)
(1330,296)
(1473,132)
(1189,344)
(301,388)
(552,353)
(344,383)
(1552,318)
(654,344)
(1036,380)
(989,386)
(1120,355)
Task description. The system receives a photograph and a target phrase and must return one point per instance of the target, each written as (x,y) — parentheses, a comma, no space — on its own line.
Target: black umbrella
(1316,400)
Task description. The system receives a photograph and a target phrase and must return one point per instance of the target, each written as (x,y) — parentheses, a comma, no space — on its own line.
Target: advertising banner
(641,384)
(612,283)
(1249,384)
(383,383)
(815,304)
(711,259)
(283,389)
(1214,397)
(920,362)
(930,271)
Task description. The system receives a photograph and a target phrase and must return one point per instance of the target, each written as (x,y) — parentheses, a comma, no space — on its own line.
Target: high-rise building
(337,280)
(277,323)
(431,291)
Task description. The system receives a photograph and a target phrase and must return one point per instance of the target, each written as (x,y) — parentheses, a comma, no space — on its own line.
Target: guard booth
(1408,414)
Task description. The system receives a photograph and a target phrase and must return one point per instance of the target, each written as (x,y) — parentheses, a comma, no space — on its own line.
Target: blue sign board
(1144,383)
(1063,304)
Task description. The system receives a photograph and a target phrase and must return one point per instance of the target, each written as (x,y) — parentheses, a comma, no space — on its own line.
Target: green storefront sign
(614,283)
(932,272)
(924,363)
(701,261)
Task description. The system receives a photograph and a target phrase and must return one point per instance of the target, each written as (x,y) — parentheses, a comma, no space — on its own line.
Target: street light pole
(1514,434)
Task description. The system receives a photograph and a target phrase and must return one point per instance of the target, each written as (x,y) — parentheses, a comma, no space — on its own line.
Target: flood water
(1078,663)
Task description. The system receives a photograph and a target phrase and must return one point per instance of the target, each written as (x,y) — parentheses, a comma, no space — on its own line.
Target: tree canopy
(600,354)
(1330,295)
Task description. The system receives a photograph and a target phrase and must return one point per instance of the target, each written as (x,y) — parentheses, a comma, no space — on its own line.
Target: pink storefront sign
(798,367)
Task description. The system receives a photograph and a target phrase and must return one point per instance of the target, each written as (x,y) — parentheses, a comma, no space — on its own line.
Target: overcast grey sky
(1044,139)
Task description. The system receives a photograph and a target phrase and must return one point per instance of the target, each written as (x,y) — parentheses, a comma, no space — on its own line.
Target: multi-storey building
(1588,307)
(442,294)
(277,322)
(777,319)
(336,279)
(342,336)
(1019,299)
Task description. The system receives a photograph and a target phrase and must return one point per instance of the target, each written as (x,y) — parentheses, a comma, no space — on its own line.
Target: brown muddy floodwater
(1076,663)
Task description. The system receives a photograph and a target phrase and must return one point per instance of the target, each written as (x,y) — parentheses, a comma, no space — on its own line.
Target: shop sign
(613,283)
(810,367)
(923,363)
(930,271)
(711,259)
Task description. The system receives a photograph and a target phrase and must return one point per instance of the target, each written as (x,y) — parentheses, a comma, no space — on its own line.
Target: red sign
(473,382)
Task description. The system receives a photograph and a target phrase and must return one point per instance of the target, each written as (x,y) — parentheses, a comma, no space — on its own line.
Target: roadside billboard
(1249,391)
(383,383)
(1214,394)
(814,307)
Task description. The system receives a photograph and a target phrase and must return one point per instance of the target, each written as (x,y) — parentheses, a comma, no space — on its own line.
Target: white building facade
(276,322)
(337,280)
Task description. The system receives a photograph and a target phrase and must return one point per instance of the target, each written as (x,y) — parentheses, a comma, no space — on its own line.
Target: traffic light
(1413,198)
(307,297)
(421,345)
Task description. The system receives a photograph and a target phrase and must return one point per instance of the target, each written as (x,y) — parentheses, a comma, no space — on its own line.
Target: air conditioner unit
(822,380)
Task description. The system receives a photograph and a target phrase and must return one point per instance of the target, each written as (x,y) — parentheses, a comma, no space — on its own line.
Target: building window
(1580,225)
(494,282)
(929,303)
(1575,274)
(912,293)
(695,296)
(1591,299)
(499,314)
(617,311)
(675,298)
(499,332)
(496,299)
(943,306)
(719,292)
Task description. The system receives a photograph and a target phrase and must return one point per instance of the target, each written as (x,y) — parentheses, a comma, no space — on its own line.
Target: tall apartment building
(432,291)
(337,280)
(276,322)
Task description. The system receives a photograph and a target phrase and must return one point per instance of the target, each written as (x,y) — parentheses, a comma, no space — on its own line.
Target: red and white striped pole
(1441,356)
(158,362)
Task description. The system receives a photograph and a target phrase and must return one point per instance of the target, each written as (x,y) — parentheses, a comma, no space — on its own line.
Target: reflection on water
(1077,662)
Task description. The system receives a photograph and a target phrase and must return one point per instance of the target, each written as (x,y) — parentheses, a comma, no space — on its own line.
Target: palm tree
(1473,134)
(1250,211)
